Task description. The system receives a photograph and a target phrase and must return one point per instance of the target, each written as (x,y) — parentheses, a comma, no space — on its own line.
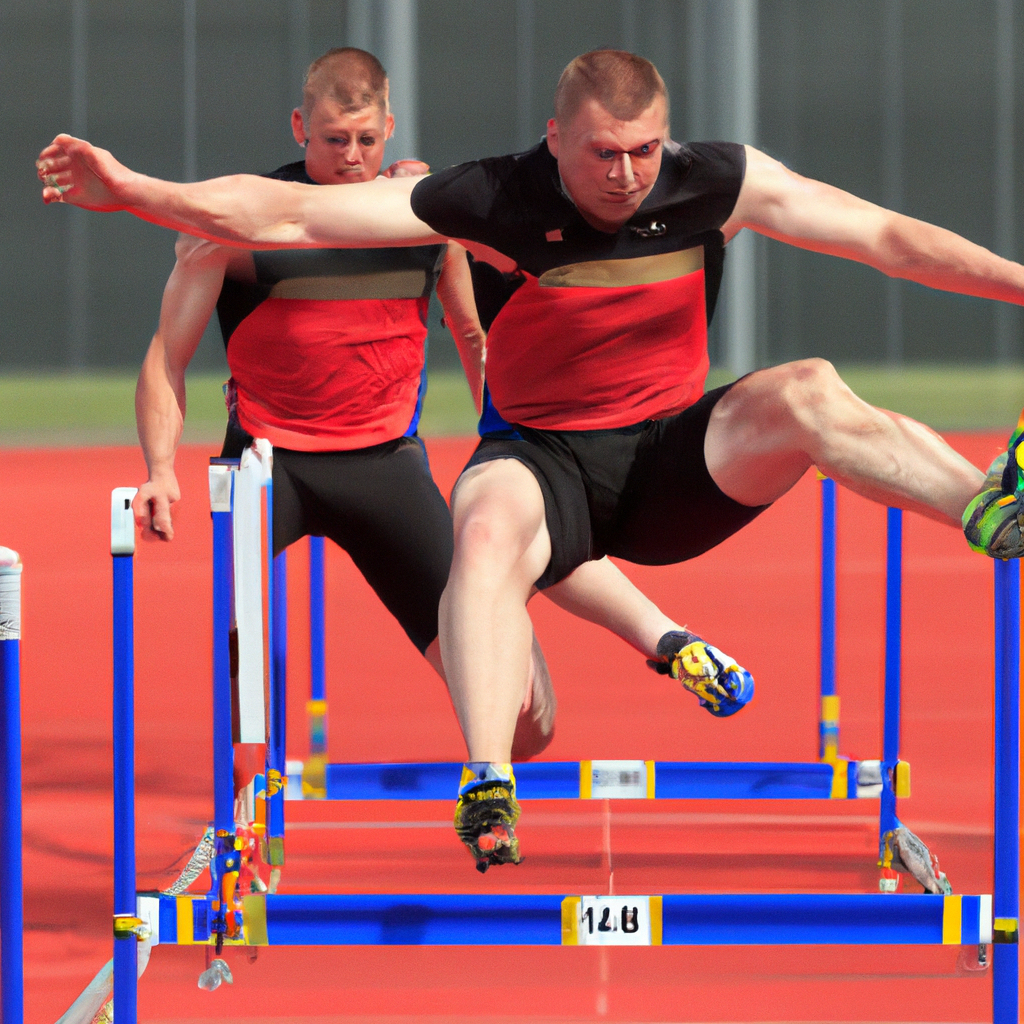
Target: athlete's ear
(389,126)
(553,138)
(298,128)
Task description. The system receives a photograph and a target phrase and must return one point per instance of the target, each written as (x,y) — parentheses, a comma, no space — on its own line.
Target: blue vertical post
(277,612)
(126,943)
(317,639)
(893,666)
(829,727)
(1006,898)
(221,484)
(12,978)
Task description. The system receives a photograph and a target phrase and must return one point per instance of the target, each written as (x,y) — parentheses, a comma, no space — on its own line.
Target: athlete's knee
(815,396)
(498,520)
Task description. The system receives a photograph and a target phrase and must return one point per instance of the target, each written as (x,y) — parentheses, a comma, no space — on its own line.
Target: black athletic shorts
(381,505)
(642,493)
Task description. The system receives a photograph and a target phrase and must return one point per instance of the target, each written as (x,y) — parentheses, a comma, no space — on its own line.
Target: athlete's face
(342,146)
(609,166)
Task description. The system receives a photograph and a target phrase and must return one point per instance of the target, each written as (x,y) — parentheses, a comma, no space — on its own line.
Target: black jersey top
(607,329)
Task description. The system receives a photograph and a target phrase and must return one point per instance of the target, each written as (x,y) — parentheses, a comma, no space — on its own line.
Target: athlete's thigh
(672,508)
(381,505)
(564,515)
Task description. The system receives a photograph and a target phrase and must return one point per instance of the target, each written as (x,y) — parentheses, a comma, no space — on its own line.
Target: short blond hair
(351,77)
(623,83)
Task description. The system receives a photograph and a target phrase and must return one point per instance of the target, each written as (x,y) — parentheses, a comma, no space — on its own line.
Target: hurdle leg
(1005,906)
(12,978)
(277,611)
(313,774)
(221,484)
(888,821)
(126,924)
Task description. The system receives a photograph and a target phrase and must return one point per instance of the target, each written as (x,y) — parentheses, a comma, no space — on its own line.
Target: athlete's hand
(76,172)
(152,507)
(406,169)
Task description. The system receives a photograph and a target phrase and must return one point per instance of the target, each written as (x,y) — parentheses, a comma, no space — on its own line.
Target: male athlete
(326,350)
(599,359)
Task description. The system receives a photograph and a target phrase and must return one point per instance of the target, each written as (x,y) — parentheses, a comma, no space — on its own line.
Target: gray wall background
(915,104)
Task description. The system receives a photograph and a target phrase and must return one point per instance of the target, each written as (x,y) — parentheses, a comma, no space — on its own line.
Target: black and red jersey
(326,346)
(606,329)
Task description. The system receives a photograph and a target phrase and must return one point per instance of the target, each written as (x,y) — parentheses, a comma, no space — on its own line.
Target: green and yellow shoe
(487,812)
(994,520)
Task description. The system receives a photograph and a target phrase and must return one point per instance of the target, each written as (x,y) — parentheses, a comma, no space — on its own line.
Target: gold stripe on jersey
(390,284)
(622,273)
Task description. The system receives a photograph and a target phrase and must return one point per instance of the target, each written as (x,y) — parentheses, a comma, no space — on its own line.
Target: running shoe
(487,812)
(720,684)
(994,520)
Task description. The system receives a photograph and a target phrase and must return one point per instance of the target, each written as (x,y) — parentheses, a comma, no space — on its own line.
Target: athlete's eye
(368,141)
(646,149)
(338,140)
(606,154)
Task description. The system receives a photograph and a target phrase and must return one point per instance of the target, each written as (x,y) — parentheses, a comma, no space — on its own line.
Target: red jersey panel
(597,357)
(329,375)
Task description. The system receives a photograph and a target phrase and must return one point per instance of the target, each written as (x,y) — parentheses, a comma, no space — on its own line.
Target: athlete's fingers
(407,169)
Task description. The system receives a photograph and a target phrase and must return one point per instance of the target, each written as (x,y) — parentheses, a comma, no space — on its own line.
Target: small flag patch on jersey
(553,236)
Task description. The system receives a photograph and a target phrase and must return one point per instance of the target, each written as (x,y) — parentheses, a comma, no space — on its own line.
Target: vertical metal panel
(1007,317)
(78,236)
(527,131)
(400,55)
(893,129)
(190,141)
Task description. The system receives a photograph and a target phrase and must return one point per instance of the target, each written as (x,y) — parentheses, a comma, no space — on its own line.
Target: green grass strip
(99,408)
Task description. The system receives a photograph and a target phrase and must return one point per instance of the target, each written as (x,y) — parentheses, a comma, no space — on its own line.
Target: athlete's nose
(351,155)
(621,171)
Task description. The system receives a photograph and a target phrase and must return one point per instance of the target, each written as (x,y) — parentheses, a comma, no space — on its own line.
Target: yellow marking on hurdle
(649,765)
(1004,929)
(571,917)
(901,784)
(254,920)
(656,925)
(952,920)
(586,781)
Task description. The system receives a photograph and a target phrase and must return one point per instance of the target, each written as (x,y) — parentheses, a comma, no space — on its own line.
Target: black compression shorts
(642,493)
(381,505)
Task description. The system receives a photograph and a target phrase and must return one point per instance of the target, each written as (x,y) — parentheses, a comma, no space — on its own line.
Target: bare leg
(535,727)
(601,593)
(501,548)
(776,423)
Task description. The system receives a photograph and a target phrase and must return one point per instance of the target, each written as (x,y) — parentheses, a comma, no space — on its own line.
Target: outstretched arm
(455,292)
(241,210)
(188,301)
(775,201)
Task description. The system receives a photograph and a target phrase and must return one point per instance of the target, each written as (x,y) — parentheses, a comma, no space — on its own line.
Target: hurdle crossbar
(552,920)
(622,779)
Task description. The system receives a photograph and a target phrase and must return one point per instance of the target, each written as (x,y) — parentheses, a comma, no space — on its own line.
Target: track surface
(756,596)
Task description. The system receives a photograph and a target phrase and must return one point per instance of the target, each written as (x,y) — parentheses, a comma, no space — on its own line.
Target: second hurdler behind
(599,360)
(326,350)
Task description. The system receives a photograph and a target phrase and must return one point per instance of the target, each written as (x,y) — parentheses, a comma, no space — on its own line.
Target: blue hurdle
(12,997)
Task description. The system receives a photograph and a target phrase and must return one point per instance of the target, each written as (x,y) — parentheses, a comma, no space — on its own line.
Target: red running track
(756,596)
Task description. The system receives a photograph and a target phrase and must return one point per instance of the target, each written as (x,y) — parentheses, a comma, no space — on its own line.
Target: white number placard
(618,780)
(613,921)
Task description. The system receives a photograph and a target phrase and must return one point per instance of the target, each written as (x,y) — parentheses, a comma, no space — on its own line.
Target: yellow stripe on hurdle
(183,905)
(649,765)
(952,920)
(570,919)
(586,780)
(254,920)
(656,927)
(902,780)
